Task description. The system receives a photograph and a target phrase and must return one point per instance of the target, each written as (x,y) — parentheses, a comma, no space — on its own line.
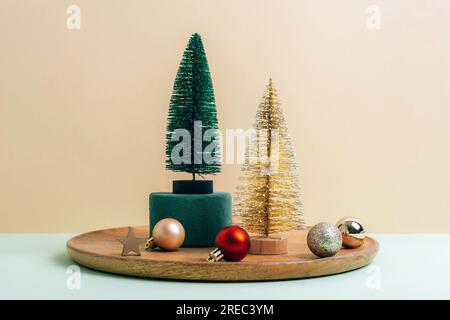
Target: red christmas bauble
(234,242)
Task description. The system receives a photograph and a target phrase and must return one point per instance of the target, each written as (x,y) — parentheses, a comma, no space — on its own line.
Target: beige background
(83,112)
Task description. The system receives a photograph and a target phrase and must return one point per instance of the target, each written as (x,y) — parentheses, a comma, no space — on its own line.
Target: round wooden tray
(100,250)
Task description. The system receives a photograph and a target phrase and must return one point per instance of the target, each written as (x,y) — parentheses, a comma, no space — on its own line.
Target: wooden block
(272,245)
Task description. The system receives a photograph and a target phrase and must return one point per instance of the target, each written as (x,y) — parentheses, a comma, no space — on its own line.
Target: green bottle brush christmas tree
(193,120)
(192,146)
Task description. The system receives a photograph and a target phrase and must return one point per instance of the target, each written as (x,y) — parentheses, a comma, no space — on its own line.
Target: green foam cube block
(202,215)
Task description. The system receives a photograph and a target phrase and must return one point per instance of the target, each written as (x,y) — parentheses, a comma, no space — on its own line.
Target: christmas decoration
(324,240)
(192,146)
(193,110)
(268,200)
(168,234)
(131,243)
(352,232)
(232,244)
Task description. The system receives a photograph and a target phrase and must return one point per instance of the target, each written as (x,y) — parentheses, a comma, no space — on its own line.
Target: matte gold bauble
(168,234)
(353,233)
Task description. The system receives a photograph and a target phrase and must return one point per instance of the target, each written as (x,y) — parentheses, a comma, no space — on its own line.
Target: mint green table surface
(34,266)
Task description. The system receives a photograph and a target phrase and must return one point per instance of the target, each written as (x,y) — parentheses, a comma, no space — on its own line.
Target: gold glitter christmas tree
(268,199)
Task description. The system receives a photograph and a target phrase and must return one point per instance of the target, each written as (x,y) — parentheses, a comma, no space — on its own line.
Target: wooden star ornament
(131,243)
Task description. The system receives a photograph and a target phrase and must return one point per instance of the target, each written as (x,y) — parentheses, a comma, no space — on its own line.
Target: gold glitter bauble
(352,231)
(324,240)
(168,234)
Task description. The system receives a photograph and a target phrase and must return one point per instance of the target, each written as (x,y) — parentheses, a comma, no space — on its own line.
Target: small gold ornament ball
(168,234)
(324,240)
(353,233)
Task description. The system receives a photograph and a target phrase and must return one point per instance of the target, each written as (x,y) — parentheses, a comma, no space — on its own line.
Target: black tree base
(192,186)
